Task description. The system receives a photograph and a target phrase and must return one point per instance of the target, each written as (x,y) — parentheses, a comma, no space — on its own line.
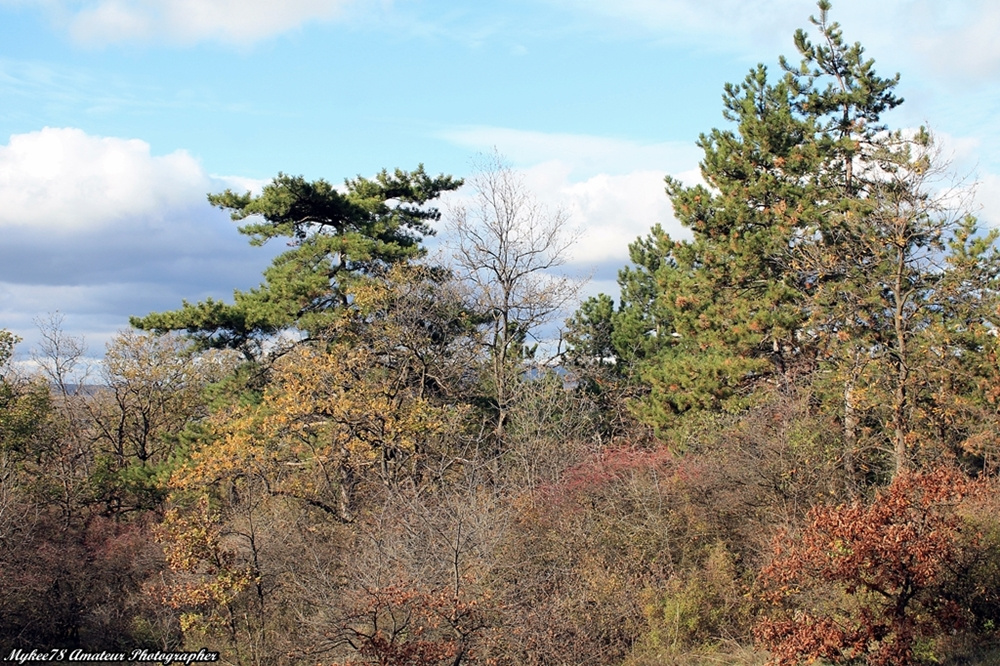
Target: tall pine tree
(823,251)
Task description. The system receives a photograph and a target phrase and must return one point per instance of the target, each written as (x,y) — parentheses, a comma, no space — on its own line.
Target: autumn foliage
(871,580)
(779,444)
(406,624)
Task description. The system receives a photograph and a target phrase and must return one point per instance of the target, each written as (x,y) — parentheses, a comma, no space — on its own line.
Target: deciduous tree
(507,246)
(153,388)
(866,581)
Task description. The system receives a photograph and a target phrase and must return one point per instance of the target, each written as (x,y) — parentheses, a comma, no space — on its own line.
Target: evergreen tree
(641,327)
(822,249)
(734,298)
(336,236)
(589,333)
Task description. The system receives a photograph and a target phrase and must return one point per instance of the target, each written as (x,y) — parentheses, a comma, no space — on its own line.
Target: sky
(117,117)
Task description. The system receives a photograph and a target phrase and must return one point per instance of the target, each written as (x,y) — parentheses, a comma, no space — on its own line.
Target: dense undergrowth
(777,446)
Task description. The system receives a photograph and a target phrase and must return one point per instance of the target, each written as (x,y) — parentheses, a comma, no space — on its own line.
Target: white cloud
(611,189)
(61,179)
(186,21)
(241,184)
(987,198)
(954,39)
(99,228)
(958,152)
(961,182)
(611,211)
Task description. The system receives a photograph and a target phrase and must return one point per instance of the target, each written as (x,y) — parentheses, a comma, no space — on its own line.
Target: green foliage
(706,316)
(24,409)
(133,486)
(642,325)
(697,609)
(7,342)
(397,488)
(821,249)
(154,390)
(738,296)
(336,236)
(589,332)
(852,104)
(25,405)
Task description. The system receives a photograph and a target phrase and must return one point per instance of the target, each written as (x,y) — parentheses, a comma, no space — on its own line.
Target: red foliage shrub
(867,581)
(603,469)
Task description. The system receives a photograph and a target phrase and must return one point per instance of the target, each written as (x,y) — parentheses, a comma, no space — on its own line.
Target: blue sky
(118,116)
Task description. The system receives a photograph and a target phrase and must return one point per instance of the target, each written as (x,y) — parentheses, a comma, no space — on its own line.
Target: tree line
(776,445)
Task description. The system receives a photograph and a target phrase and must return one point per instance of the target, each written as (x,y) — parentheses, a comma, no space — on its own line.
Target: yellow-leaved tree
(343,418)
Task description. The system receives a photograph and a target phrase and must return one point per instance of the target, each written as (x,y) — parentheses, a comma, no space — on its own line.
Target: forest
(777,445)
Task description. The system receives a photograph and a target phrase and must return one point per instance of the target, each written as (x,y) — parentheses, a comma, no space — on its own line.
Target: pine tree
(733,297)
(823,251)
(336,236)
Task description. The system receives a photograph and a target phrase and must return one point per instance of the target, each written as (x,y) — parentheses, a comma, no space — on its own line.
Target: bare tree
(507,245)
(60,357)
(68,457)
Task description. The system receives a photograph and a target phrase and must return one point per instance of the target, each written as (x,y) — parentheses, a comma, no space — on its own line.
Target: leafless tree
(61,358)
(507,246)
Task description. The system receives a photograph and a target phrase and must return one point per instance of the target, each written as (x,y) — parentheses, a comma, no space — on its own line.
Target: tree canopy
(779,446)
(335,235)
(826,247)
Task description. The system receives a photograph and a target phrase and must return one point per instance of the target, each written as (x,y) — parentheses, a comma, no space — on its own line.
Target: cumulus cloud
(64,179)
(611,189)
(186,21)
(610,211)
(99,228)
(607,211)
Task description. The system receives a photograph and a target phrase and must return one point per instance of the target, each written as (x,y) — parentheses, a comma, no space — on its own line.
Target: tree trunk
(850,438)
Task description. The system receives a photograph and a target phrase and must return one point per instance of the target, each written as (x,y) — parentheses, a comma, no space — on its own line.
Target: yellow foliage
(327,411)
(205,576)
